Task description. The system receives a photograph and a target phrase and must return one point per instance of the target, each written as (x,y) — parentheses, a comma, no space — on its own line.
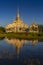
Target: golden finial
(18,15)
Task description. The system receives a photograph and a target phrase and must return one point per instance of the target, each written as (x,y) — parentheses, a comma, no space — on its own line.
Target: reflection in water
(22,52)
(34,42)
(19,43)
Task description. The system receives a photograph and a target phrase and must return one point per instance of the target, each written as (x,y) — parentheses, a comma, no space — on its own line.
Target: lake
(21,52)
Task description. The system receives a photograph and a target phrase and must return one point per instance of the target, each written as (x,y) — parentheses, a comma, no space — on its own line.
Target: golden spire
(18,15)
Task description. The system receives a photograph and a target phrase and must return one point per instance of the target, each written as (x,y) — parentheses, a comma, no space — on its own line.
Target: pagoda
(17,25)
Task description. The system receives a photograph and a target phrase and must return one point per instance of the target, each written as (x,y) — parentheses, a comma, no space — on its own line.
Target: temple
(17,26)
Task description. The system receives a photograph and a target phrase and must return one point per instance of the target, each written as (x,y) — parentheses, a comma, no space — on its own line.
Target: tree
(2,29)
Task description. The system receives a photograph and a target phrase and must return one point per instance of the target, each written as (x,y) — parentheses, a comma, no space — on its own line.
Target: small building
(33,27)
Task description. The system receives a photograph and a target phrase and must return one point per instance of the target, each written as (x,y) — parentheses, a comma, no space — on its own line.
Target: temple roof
(17,22)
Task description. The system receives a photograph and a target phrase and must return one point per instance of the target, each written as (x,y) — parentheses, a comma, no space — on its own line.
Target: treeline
(2,29)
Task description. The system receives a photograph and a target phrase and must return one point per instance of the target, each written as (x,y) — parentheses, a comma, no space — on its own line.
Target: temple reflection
(19,43)
(20,52)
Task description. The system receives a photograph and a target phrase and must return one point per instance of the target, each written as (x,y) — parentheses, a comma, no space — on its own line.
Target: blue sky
(30,10)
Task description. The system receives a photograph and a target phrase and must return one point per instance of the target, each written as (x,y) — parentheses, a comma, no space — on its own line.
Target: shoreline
(23,35)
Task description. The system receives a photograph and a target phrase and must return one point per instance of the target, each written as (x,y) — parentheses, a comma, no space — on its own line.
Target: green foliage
(2,29)
(24,35)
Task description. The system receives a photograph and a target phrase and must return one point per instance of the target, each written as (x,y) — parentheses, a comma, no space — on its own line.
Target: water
(21,52)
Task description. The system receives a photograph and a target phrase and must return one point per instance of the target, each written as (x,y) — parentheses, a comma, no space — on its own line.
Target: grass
(25,35)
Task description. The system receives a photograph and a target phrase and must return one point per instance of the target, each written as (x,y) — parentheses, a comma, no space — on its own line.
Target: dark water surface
(21,52)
